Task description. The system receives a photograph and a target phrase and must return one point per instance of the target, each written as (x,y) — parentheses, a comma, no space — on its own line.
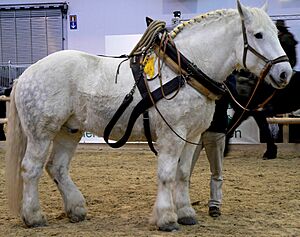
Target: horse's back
(46,91)
(71,87)
(60,67)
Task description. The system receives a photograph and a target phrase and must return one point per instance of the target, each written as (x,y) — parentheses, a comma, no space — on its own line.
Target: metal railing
(9,72)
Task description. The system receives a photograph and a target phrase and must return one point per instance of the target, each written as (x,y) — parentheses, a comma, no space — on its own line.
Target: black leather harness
(140,108)
(191,71)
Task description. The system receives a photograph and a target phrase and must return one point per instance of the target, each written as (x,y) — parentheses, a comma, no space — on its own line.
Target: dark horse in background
(284,101)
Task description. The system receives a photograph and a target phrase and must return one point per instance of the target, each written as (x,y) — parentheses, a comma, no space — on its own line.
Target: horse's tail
(15,150)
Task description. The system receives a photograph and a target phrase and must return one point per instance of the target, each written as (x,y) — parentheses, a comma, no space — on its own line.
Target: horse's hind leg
(32,169)
(64,146)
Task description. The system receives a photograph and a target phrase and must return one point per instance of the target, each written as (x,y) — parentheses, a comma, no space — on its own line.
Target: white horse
(58,98)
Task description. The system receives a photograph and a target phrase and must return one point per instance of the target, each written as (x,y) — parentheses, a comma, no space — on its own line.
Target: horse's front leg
(186,213)
(164,212)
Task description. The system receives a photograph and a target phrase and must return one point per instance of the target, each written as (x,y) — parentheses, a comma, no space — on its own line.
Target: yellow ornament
(149,66)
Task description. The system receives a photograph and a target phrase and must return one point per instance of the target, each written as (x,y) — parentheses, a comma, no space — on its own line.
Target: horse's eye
(258,36)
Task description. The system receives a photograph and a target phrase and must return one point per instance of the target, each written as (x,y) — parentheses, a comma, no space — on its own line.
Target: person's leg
(214,144)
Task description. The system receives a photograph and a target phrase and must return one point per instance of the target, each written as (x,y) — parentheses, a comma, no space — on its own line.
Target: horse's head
(262,50)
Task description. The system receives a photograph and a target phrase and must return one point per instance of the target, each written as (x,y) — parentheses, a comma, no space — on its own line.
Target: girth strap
(140,108)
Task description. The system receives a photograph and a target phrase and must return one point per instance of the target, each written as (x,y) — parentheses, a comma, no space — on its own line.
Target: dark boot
(214,211)
(271,152)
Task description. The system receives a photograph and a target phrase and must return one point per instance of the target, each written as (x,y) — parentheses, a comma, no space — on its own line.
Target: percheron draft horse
(58,98)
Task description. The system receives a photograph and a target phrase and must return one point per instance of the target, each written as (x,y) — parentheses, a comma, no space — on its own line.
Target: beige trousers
(214,145)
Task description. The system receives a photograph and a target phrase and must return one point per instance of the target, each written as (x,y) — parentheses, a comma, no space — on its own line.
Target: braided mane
(217,15)
(205,18)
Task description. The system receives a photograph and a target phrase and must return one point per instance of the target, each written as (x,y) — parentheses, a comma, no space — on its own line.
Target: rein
(245,108)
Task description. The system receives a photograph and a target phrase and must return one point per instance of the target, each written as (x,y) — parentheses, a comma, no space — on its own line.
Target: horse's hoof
(77,215)
(187,220)
(33,223)
(169,227)
(76,218)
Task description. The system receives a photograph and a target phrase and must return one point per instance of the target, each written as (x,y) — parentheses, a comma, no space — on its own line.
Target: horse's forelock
(261,20)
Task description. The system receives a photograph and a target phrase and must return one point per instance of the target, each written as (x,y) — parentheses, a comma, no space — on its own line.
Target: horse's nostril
(283,75)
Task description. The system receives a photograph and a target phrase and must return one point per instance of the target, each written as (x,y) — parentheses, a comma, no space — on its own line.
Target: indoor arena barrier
(285,121)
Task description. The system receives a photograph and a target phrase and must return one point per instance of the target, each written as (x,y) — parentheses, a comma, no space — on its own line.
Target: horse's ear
(265,6)
(148,20)
(243,11)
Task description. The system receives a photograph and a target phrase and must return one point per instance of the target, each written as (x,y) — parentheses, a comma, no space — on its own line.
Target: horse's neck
(212,47)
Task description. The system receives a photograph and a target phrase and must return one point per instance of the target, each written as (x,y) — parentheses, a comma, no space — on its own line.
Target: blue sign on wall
(73,22)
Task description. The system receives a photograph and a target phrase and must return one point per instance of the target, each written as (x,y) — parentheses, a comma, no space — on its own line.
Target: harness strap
(139,81)
(194,83)
(214,90)
(147,131)
(140,108)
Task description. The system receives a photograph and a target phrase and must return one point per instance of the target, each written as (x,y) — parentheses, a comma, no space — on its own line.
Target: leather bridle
(263,73)
(269,62)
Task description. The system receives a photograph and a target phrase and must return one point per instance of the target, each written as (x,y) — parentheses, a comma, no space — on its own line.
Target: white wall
(99,18)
